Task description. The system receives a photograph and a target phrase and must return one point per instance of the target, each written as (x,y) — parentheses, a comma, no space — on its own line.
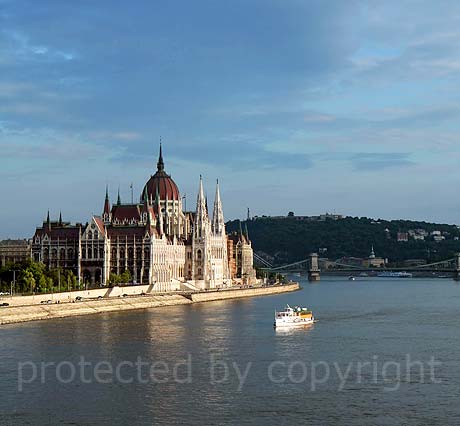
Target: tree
(114,279)
(29,280)
(291,214)
(126,277)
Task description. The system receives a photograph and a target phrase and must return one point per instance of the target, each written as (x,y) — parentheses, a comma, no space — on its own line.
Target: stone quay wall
(113,301)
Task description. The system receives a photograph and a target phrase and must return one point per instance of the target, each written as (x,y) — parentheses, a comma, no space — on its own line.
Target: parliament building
(155,240)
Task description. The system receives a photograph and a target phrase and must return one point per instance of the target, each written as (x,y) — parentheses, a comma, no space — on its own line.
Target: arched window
(198,254)
(90,235)
(70,253)
(62,254)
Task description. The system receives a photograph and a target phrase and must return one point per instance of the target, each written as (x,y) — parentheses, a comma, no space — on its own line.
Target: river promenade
(32,308)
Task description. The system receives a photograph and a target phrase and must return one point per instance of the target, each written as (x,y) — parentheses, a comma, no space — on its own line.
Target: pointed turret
(160,223)
(372,255)
(201,218)
(106,212)
(201,209)
(145,206)
(118,198)
(157,199)
(218,224)
(60,218)
(160,164)
(48,221)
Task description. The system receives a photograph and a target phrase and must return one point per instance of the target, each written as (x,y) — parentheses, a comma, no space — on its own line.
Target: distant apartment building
(402,237)
(372,261)
(418,234)
(13,251)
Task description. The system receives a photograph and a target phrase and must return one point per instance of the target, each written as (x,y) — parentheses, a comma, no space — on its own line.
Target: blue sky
(311,106)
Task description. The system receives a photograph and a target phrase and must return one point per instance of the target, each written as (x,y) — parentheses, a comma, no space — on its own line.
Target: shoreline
(26,313)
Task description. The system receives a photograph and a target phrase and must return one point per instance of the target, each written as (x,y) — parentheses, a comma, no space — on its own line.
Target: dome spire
(160,164)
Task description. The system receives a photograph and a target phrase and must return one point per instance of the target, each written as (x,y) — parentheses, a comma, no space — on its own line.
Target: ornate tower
(200,243)
(218,224)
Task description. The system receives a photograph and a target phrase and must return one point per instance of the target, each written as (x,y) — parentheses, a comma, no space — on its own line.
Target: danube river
(383,352)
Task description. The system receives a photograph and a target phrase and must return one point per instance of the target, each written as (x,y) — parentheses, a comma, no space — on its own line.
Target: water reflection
(357,321)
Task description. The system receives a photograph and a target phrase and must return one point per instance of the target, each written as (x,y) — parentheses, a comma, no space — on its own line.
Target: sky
(294,105)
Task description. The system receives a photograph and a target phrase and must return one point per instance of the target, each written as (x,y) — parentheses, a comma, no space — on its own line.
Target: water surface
(378,321)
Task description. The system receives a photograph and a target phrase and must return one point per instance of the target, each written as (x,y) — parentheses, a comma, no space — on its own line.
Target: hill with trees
(291,238)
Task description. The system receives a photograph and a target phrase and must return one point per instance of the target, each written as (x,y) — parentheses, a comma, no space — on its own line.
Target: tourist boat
(293,317)
(390,274)
(351,278)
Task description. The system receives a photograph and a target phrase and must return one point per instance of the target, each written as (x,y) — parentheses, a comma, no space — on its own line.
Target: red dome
(161,183)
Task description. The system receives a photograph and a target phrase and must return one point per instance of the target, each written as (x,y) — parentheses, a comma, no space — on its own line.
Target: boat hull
(295,323)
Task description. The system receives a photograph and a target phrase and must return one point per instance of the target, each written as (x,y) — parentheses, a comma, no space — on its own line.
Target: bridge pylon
(313,270)
(457,267)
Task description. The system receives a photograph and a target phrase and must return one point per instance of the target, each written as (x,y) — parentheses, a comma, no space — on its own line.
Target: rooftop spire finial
(160,164)
(119,198)
(60,218)
(48,221)
(107,192)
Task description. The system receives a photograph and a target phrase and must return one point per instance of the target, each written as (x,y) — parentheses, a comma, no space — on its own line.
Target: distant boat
(390,274)
(351,278)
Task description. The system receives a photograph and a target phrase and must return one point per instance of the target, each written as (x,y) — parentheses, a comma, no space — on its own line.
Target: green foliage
(289,239)
(114,279)
(126,277)
(34,277)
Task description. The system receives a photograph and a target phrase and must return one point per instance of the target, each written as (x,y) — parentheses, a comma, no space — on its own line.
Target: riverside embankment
(67,306)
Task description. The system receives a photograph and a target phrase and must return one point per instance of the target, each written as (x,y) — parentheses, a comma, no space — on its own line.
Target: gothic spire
(118,198)
(146,196)
(201,217)
(201,207)
(217,213)
(246,233)
(48,221)
(157,198)
(60,218)
(160,164)
(107,201)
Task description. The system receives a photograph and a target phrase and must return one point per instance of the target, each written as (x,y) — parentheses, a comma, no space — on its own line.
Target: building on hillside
(402,237)
(373,261)
(13,251)
(154,240)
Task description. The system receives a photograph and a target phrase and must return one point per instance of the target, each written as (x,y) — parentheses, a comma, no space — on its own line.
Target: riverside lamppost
(13,284)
